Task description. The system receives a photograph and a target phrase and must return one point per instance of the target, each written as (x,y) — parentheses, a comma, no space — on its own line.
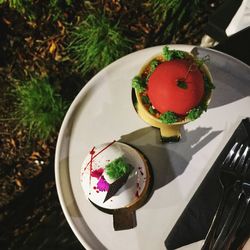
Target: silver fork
(230,173)
(237,212)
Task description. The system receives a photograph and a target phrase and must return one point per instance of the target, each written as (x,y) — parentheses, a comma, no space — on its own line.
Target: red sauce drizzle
(104,149)
(92,152)
(92,157)
(97,173)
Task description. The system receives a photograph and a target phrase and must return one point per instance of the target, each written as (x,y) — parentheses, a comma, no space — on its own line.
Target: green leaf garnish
(138,84)
(169,117)
(117,168)
(173,54)
(195,113)
(182,84)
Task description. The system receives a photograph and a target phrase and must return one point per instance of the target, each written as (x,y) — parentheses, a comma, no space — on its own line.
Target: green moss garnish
(172,54)
(138,84)
(117,168)
(145,99)
(169,117)
(208,84)
(195,113)
(153,64)
(176,54)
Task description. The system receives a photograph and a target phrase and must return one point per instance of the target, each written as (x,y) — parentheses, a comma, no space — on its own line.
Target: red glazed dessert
(176,86)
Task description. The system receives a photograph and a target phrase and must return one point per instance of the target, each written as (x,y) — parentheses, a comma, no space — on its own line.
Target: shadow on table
(230,77)
(168,160)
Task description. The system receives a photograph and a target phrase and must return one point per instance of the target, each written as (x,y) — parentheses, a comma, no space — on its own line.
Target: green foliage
(161,8)
(27,7)
(96,42)
(38,107)
(169,117)
(117,168)
(172,54)
(172,15)
(138,84)
(195,113)
(57,7)
(24,7)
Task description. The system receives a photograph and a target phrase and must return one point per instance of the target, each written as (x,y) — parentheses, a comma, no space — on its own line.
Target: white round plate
(103,112)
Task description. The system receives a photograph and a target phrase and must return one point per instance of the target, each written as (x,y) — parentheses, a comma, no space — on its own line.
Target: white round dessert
(93,168)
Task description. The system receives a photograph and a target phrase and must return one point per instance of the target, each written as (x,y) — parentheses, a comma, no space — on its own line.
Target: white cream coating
(128,193)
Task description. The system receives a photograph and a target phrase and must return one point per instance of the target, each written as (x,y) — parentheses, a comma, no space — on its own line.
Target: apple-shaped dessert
(172,89)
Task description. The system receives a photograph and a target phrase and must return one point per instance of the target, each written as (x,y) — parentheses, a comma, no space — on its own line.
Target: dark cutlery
(235,216)
(232,171)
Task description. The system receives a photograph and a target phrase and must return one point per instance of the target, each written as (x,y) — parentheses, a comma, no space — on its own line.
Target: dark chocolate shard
(116,185)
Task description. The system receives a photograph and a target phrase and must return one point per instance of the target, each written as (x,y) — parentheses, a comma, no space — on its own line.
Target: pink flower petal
(102,184)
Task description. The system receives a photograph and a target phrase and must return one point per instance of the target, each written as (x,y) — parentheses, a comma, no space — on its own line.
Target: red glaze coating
(164,92)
